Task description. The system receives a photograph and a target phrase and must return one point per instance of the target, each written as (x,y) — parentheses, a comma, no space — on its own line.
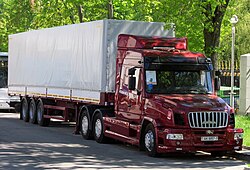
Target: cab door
(135,98)
(130,101)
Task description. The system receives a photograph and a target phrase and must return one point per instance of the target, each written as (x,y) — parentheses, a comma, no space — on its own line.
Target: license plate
(209,138)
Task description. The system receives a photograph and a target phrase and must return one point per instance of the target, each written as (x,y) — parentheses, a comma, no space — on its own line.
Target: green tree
(242,45)
(16,16)
(214,12)
(199,20)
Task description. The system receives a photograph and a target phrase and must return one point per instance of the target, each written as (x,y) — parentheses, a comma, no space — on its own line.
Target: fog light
(174,136)
(238,136)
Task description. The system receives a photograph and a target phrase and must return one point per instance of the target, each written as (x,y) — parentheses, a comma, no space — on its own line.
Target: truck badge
(209,132)
(209,122)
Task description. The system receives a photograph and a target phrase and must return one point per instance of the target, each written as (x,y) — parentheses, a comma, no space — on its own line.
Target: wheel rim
(31,111)
(85,125)
(149,140)
(98,128)
(24,109)
(39,113)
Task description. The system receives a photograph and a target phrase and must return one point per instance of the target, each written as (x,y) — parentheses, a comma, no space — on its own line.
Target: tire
(32,111)
(85,125)
(149,139)
(98,129)
(24,113)
(40,114)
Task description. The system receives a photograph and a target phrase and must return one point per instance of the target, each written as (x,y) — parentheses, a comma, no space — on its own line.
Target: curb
(245,157)
(241,156)
(246,168)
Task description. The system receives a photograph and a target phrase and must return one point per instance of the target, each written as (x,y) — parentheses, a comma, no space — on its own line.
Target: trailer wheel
(85,125)
(24,114)
(150,140)
(98,129)
(32,111)
(40,114)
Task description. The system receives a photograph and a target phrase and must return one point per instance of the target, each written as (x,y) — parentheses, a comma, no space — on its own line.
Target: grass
(244,123)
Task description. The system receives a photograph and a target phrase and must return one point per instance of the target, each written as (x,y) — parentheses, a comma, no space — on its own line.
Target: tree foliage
(15,16)
(199,20)
(242,45)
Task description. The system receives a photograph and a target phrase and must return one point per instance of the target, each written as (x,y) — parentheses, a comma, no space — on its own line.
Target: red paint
(142,42)
(136,107)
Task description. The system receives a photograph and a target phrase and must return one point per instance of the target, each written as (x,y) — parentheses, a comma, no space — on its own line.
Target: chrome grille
(208,119)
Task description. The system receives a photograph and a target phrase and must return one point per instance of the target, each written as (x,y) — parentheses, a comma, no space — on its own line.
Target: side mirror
(217,83)
(131,71)
(218,73)
(131,83)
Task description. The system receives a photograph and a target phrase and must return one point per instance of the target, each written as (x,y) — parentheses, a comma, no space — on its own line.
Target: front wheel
(150,140)
(98,129)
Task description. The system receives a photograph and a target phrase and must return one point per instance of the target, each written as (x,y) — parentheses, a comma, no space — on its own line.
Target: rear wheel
(98,129)
(40,114)
(24,114)
(85,125)
(150,140)
(32,111)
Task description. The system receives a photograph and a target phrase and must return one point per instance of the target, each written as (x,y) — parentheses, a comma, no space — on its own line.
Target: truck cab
(168,93)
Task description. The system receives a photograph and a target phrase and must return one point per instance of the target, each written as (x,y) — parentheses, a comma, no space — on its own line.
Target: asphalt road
(27,146)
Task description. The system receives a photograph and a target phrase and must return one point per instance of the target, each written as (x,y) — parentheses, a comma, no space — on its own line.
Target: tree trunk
(80,13)
(212,29)
(110,10)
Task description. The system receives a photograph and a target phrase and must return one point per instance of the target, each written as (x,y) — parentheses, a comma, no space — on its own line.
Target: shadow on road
(27,146)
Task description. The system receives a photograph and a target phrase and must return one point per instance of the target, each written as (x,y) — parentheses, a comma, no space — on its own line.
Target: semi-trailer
(130,81)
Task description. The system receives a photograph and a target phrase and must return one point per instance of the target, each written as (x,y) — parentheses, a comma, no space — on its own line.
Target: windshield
(178,81)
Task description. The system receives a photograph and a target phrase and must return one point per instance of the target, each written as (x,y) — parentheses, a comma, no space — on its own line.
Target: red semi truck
(126,80)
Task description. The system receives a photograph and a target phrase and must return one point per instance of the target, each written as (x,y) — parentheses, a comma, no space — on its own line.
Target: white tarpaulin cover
(73,57)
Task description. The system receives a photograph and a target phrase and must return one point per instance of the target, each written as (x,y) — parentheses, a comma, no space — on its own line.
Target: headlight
(238,136)
(174,136)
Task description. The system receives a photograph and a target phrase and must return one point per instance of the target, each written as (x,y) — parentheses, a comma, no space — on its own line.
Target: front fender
(145,122)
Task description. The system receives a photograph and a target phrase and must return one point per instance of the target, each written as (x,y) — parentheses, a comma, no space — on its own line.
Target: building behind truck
(126,80)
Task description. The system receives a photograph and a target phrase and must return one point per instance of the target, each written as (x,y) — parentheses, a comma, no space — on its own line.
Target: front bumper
(225,140)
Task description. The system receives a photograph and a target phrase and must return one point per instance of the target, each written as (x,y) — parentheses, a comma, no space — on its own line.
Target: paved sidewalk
(243,155)
(245,151)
